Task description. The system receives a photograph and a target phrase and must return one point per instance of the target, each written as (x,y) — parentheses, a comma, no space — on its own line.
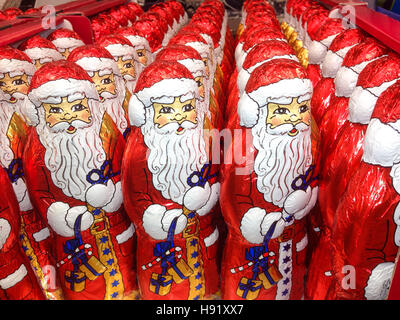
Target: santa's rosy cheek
(275,121)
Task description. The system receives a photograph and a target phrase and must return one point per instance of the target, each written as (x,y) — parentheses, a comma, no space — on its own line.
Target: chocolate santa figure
(104,71)
(325,88)
(65,40)
(16,71)
(318,47)
(343,162)
(126,57)
(170,188)
(345,81)
(40,50)
(72,166)
(17,280)
(366,231)
(141,45)
(266,196)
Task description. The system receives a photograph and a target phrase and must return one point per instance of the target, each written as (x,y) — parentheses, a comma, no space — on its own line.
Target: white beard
(6,153)
(113,106)
(172,158)
(130,82)
(280,159)
(70,157)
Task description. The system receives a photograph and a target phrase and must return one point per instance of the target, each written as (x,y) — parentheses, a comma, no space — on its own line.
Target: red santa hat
(261,53)
(39,48)
(316,8)
(340,45)
(185,55)
(60,79)
(355,60)
(382,139)
(161,81)
(147,29)
(375,78)
(298,9)
(64,38)
(274,81)
(196,41)
(94,58)
(118,46)
(323,39)
(256,27)
(137,41)
(314,22)
(128,13)
(135,7)
(180,10)
(15,62)
(255,38)
(119,16)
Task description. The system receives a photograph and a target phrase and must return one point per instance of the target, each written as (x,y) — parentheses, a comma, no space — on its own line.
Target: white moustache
(107,95)
(62,126)
(174,126)
(17,95)
(128,77)
(285,128)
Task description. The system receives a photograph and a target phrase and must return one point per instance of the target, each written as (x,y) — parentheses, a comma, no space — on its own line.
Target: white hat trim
(43,54)
(382,143)
(333,61)
(17,67)
(94,64)
(346,78)
(66,43)
(318,49)
(362,102)
(118,50)
(52,91)
(194,66)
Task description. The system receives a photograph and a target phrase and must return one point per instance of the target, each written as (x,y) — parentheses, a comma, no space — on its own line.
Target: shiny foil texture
(17,279)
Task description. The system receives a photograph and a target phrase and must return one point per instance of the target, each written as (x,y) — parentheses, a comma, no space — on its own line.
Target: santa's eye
(303,108)
(18,82)
(106,81)
(2,83)
(281,111)
(140,54)
(199,84)
(166,110)
(187,108)
(78,107)
(128,65)
(56,110)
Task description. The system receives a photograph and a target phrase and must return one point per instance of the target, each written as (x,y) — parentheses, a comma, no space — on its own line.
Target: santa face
(127,67)
(281,156)
(200,84)
(65,51)
(67,116)
(105,85)
(71,153)
(15,84)
(206,64)
(175,113)
(142,55)
(289,115)
(174,153)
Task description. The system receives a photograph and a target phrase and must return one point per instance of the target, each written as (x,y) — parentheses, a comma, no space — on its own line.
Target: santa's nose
(68,116)
(179,117)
